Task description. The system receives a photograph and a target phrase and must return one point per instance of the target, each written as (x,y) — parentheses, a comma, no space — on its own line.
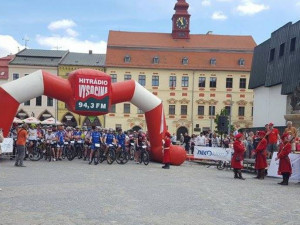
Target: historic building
(195,75)
(4,61)
(73,61)
(28,61)
(275,77)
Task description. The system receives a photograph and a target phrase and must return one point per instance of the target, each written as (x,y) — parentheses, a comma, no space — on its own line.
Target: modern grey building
(275,75)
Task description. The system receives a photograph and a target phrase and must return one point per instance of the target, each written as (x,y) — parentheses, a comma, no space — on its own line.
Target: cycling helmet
(33,126)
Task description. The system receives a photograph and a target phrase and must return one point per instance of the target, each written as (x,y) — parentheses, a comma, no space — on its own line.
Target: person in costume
(238,156)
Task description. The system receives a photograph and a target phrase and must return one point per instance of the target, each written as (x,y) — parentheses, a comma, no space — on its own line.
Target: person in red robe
(261,155)
(285,167)
(167,155)
(238,156)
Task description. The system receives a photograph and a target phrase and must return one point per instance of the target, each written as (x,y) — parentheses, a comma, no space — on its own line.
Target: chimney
(90,52)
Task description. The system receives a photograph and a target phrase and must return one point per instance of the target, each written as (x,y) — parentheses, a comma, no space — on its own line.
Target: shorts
(122,146)
(60,144)
(272,147)
(93,146)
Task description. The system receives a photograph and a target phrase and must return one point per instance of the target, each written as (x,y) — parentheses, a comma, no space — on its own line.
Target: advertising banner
(212,153)
(7,145)
(295,161)
(92,94)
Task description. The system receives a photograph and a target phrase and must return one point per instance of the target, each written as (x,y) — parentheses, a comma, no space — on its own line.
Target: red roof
(199,49)
(4,66)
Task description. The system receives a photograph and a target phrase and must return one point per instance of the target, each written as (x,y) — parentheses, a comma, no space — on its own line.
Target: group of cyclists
(93,144)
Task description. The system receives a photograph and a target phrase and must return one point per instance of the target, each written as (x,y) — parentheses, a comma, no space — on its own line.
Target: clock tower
(181,21)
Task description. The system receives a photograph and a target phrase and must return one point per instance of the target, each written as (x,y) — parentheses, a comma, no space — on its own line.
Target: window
(139,111)
(155,80)
(171,109)
(38,101)
(27,103)
(15,76)
(49,101)
(228,110)
(185,82)
(281,50)
(213,82)
(200,110)
(213,61)
(211,110)
(242,62)
(201,82)
(113,78)
(243,83)
(228,82)
(272,55)
(184,110)
(172,81)
(241,111)
(112,109)
(185,61)
(156,60)
(293,44)
(142,80)
(127,59)
(126,108)
(127,77)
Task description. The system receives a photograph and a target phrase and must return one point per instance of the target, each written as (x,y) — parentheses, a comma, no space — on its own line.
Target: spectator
(273,135)
(214,140)
(200,140)
(181,139)
(226,142)
(193,143)
(21,141)
(292,131)
(250,143)
(210,138)
(174,139)
(187,140)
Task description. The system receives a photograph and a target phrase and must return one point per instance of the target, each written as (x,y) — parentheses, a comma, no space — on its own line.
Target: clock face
(181,22)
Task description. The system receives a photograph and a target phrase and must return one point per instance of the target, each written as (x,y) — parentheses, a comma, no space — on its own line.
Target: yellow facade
(62,111)
(191,96)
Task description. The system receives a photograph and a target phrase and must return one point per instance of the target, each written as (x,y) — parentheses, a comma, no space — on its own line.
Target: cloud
(61,24)
(218,15)
(72,44)
(298,3)
(8,45)
(206,3)
(72,32)
(248,7)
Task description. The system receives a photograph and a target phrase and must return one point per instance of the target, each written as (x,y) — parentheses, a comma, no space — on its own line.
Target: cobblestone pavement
(76,193)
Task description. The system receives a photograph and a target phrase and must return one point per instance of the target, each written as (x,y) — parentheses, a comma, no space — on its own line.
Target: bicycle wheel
(122,157)
(146,159)
(221,165)
(101,156)
(111,156)
(69,153)
(96,156)
(35,155)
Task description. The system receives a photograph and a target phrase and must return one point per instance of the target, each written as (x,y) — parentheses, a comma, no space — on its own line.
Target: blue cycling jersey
(96,135)
(77,133)
(121,139)
(109,138)
(60,135)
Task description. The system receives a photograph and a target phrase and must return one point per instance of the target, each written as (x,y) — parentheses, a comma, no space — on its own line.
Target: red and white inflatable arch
(89,92)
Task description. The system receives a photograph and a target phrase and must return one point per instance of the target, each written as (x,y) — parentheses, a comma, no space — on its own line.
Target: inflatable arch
(90,93)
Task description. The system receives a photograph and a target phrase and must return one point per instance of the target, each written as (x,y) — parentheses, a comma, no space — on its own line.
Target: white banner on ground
(212,153)
(295,160)
(7,145)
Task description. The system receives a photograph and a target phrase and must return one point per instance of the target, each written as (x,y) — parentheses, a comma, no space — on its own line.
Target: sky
(80,26)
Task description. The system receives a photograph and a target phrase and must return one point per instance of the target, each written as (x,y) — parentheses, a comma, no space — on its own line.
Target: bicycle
(122,156)
(144,155)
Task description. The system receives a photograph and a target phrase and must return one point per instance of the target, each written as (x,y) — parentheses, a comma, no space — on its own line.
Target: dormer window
(185,61)
(242,62)
(213,61)
(156,60)
(127,59)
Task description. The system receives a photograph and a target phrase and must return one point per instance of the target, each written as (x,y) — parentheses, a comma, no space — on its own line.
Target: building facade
(28,61)
(275,76)
(4,73)
(74,61)
(195,75)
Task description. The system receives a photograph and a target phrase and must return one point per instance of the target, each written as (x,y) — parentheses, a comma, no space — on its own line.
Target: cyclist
(32,137)
(60,137)
(140,140)
(50,138)
(95,138)
(109,139)
(77,134)
(86,135)
(121,138)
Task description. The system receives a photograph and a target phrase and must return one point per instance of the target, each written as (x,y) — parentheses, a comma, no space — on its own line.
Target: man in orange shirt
(21,141)
(272,135)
